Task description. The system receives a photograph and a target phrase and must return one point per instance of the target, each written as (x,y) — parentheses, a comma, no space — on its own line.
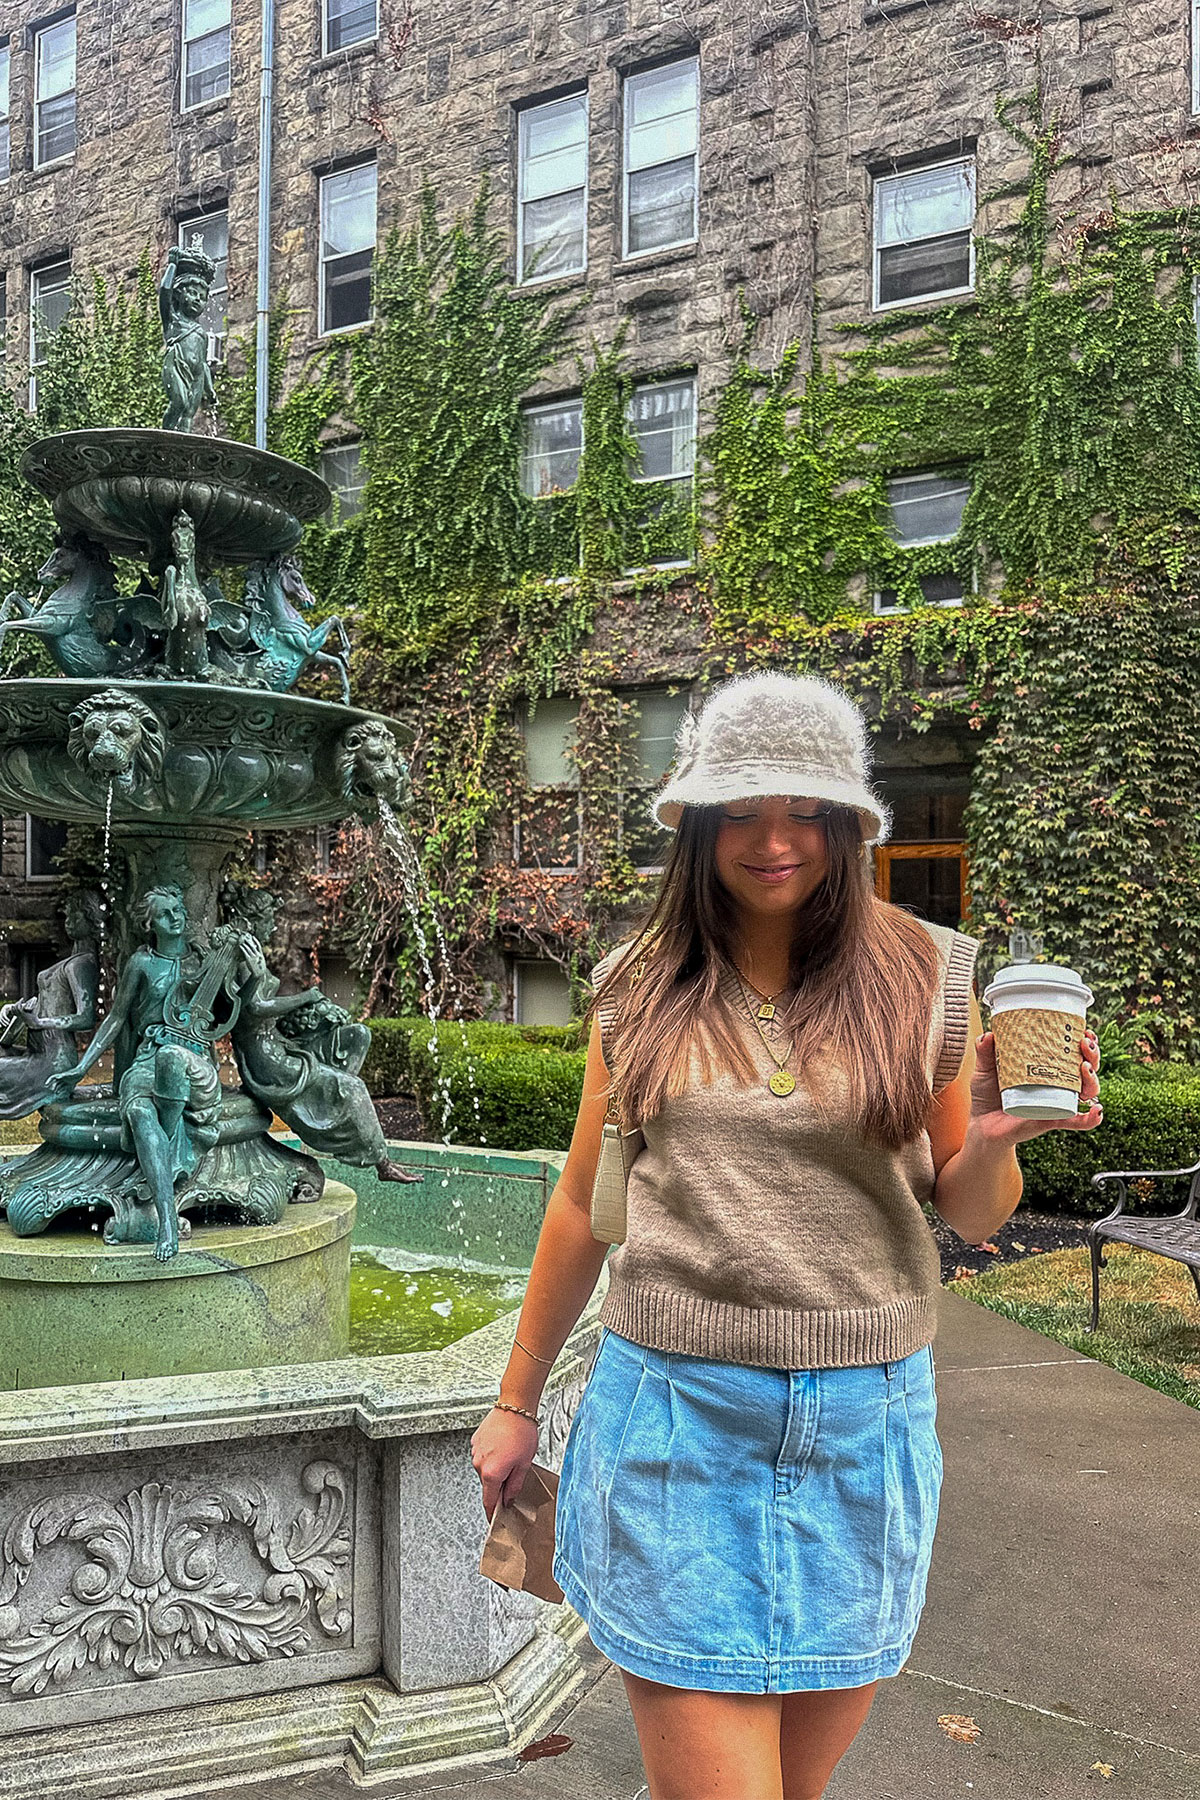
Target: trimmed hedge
(388,1067)
(1151,1121)
(525,1101)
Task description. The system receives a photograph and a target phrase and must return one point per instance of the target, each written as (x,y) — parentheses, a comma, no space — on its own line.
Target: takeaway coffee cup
(1038,1014)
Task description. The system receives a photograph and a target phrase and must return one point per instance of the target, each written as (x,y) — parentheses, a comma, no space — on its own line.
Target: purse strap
(613,1114)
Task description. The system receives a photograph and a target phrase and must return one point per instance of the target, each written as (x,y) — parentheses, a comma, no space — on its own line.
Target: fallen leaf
(1035,1249)
(962,1273)
(992,1249)
(1104,1769)
(959,1727)
(1017,1246)
(554,1745)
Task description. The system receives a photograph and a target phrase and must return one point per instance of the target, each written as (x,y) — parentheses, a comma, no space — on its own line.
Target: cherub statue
(37,1036)
(171,1005)
(182,297)
(299,1054)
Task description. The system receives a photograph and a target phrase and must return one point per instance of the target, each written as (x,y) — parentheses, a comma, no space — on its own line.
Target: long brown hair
(863,974)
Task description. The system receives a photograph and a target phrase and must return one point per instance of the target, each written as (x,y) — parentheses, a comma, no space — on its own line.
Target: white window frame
(331,450)
(325,330)
(5,106)
(186,226)
(639,387)
(635,694)
(626,119)
(968,587)
(925,168)
(532,411)
(36,361)
(184,43)
(523,117)
(29,874)
(342,49)
(40,99)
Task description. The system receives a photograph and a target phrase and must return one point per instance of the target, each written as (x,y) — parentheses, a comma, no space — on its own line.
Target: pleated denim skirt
(749,1530)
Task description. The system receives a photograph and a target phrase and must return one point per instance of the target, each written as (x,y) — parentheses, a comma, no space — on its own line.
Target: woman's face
(771,853)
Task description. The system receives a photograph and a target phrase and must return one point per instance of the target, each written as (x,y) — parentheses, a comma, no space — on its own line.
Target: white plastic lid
(1034,976)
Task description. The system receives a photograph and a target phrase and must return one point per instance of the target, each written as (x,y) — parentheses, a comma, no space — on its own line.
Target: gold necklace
(782,1082)
(767,1009)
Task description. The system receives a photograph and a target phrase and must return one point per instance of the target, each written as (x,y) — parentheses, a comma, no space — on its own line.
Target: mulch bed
(1025,1234)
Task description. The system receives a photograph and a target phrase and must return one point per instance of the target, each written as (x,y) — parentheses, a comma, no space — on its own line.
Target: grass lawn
(1149,1314)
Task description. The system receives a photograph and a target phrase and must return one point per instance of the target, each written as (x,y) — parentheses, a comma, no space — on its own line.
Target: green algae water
(401,1300)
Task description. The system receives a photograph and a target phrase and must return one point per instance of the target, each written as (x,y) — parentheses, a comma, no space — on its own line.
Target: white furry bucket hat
(768,734)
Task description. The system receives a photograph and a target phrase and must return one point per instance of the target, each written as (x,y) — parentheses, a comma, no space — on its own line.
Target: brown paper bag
(518,1551)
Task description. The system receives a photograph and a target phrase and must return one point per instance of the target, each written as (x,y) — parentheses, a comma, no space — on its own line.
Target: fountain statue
(175,725)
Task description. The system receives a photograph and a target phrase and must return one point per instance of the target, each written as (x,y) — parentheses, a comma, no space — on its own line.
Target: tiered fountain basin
(209,1579)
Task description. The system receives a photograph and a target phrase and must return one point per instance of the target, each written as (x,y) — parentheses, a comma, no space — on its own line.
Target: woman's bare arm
(568,1259)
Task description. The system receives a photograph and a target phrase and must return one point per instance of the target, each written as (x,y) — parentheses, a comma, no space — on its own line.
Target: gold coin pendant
(766,1010)
(781,1083)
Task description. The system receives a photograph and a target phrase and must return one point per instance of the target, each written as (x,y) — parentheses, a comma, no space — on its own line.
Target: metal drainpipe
(262,336)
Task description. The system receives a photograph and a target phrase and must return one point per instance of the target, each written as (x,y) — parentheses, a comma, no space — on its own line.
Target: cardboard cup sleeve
(518,1551)
(1038,1048)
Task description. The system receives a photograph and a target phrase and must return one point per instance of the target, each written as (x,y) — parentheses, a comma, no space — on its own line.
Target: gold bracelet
(533,1353)
(504,1406)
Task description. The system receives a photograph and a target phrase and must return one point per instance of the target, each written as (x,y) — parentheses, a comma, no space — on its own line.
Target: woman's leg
(816,1728)
(698,1745)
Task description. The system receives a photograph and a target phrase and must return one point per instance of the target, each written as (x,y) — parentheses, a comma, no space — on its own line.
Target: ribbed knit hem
(769,1337)
(956,992)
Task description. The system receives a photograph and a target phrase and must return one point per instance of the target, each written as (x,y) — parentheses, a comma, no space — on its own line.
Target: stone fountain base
(75,1310)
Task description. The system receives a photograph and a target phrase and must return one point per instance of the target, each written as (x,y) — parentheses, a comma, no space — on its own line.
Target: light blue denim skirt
(749,1530)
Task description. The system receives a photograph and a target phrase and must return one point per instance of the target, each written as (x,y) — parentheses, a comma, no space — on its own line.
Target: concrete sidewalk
(1061,1614)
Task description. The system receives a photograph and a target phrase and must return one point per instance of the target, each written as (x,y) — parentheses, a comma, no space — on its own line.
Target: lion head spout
(116,737)
(369,769)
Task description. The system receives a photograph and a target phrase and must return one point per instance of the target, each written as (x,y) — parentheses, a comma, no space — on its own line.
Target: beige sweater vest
(765,1230)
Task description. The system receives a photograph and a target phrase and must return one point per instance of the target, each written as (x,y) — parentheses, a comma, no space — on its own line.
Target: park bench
(1176,1236)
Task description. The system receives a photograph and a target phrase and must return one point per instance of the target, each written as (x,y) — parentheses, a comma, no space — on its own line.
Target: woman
(65,1004)
(750,1484)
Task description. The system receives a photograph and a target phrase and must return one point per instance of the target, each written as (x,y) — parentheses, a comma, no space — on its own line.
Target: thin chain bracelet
(533,1353)
(504,1406)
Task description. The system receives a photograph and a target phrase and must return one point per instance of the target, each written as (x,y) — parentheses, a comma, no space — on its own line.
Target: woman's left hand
(988,1118)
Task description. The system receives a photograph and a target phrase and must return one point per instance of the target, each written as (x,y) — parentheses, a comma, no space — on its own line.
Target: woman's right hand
(503,1446)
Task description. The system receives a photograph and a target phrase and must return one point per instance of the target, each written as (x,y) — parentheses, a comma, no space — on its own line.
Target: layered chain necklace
(782,1082)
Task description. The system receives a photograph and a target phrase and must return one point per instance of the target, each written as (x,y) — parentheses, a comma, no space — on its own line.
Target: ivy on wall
(1067,386)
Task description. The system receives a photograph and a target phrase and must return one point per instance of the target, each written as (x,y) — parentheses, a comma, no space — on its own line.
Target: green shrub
(1151,1121)
(388,1067)
(510,1102)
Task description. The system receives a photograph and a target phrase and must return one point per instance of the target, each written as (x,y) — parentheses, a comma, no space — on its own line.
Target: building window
(552,188)
(341,468)
(923,866)
(662,420)
(662,142)
(211,229)
(656,717)
(347,246)
(547,823)
(926,509)
(551,447)
(1196,55)
(349,22)
(541,994)
(44,840)
(924,219)
(550,735)
(206,45)
(49,301)
(54,92)
(5,68)
(323,850)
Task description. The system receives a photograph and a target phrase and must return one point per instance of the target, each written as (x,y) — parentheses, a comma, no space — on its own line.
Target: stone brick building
(660,157)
